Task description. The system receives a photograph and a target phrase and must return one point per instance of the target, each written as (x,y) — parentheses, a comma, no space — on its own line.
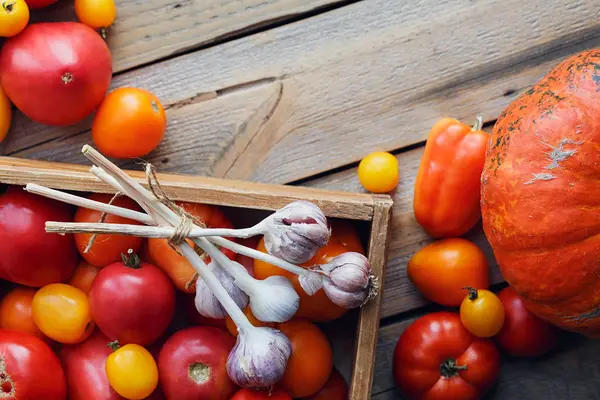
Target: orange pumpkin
(540,195)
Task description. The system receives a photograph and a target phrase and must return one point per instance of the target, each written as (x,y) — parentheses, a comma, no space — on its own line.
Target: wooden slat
(407,235)
(349,76)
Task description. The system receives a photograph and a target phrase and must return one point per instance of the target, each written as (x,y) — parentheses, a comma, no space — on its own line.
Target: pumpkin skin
(540,195)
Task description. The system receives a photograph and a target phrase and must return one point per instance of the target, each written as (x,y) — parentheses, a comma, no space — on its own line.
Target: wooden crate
(374,210)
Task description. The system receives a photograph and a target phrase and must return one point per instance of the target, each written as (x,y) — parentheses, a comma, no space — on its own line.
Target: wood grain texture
(347,76)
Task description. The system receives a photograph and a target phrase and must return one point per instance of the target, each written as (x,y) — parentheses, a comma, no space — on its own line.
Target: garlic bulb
(341,298)
(296,231)
(273,299)
(207,304)
(259,358)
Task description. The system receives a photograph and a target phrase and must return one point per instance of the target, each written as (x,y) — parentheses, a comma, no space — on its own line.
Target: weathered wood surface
(301,99)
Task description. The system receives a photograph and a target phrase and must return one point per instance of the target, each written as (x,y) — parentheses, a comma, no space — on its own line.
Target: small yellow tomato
(378,172)
(14,17)
(96,14)
(5,114)
(132,371)
(62,312)
(482,313)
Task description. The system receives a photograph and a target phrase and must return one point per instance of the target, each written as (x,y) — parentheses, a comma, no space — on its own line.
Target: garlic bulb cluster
(207,304)
(295,232)
(350,280)
(259,358)
(273,299)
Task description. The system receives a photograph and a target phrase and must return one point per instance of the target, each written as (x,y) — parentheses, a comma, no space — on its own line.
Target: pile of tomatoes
(113,317)
(59,73)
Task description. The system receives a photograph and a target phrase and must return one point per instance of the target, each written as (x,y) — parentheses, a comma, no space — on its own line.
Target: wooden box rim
(375,209)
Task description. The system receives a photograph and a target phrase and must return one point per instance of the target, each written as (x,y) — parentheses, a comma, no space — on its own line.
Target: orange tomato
(16,312)
(441,270)
(176,266)
(106,249)
(336,388)
(129,123)
(378,172)
(96,14)
(232,327)
(344,232)
(5,115)
(482,313)
(84,276)
(62,312)
(311,362)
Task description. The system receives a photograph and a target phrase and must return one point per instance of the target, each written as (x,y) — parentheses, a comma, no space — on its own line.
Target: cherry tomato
(232,327)
(524,334)
(311,362)
(129,123)
(436,358)
(442,269)
(132,372)
(29,369)
(192,364)
(5,115)
(14,17)
(96,14)
(106,249)
(177,266)
(16,312)
(378,172)
(62,312)
(84,276)
(34,4)
(482,313)
(132,303)
(248,394)
(336,388)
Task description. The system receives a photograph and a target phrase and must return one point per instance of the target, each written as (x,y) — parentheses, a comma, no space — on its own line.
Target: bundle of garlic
(292,235)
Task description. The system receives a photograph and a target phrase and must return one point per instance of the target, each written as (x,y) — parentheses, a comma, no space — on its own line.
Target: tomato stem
(131,259)
(103,33)
(472,292)
(8,6)
(478,124)
(114,345)
(449,368)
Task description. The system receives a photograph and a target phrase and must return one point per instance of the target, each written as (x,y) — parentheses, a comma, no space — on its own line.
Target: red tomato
(16,313)
(132,304)
(248,394)
(106,249)
(39,3)
(29,370)
(192,362)
(336,388)
(524,334)
(30,256)
(56,73)
(436,358)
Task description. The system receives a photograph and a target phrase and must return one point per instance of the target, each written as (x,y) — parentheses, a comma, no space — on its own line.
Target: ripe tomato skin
(25,245)
(84,276)
(344,232)
(14,16)
(52,85)
(106,249)
(437,339)
(248,394)
(336,388)
(96,13)
(378,172)
(33,370)
(62,313)
(132,305)
(442,269)
(129,123)
(523,333)
(311,362)
(16,312)
(482,313)
(5,115)
(132,372)
(188,355)
(40,3)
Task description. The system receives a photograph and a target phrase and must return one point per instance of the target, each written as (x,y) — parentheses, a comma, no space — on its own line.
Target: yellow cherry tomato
(5,114)
(96,14)
(378,172)
(482,313)
(62,312)
(132,371)
(14,17)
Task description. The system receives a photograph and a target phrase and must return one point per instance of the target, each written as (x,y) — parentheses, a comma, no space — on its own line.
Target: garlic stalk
(206,302)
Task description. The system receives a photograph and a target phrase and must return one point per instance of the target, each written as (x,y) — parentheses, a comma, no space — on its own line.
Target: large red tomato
(523,334)
(132,304)
(56,73)
(436,358)
(39,3)
(249,394)
(30,256)
(29,370)
(192,362)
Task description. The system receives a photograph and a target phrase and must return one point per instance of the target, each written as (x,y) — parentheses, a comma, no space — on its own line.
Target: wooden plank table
(298,91)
